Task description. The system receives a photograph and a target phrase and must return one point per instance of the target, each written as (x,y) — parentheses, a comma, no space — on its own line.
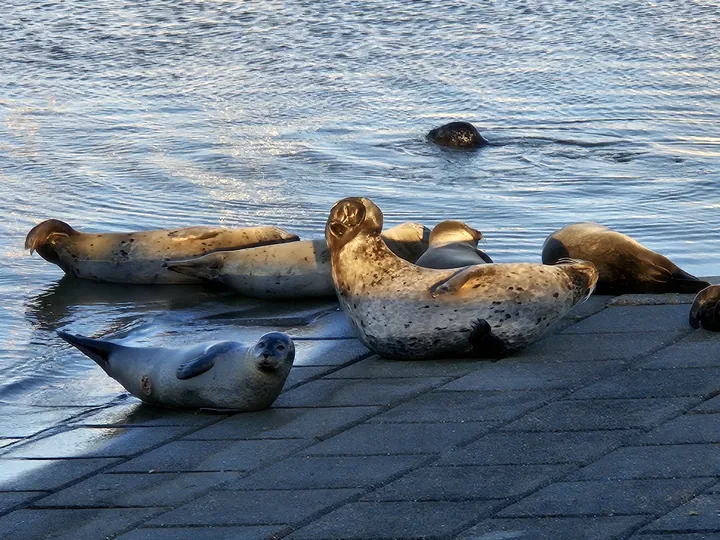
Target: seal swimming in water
(705,310)
(457,135)
(403,311)
(453,245)
(294,270)
(139,257)
(225,375)
(625,266)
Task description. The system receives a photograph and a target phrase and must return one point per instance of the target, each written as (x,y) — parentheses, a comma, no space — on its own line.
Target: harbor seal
(225,375)
(461,135)
(403,311)
(139,257)
(625,265)
(705,310)
(453,245)
(293,270)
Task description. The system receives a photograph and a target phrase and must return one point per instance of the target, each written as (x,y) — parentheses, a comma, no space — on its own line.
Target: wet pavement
(609,428)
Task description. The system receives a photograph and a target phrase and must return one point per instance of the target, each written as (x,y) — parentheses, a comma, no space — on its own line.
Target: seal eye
(280,347)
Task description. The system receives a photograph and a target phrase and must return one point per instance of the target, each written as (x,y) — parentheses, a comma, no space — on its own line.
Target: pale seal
(461,135)
(453,245)
(705,310)
(293,270)
(139,257)
(225,375)
(625,266)
(401,310)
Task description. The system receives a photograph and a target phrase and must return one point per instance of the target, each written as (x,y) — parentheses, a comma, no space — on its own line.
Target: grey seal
(139,257)
(403,311)
(453,244)
(293,270)
(705,310)
(625,266)
(225,375)
(462,135)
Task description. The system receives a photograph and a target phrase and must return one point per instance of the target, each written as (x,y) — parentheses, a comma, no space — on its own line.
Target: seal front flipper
(456,282)
(705,310)
(203,362)
(484,343)
(96,349)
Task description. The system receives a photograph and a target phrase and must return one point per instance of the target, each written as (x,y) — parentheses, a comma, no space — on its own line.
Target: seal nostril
(266,355)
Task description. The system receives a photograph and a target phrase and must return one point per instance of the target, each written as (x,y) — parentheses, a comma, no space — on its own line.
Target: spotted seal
(225,375)
(625,266)
(139,257)
(401,310)
(293,270)
(453,244)
(462,135)
(705,310)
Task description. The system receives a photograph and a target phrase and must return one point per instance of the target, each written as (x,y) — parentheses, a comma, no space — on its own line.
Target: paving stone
(588,347)
(310,472)
(607,497)
(301,374)
(709,406)
(655,383)
(4,443)
(395,520)
(467,483)
(373,439)
(685,354)
(332,325)
(202,533)
(350,392)
(135,489)
(680,536)
(377,367)
(45,474)
(333,352)
(73,524)
(138,414)
(8,499)
(209,456)
(585,528)
(96,442)
(274,423)
(508,448)
(634,319)
(701,514)
(439,406)
(652,299)
(592,305)
(665,461)
(688,428)
(253,507)
(510,375)
(601,414)
(19,422)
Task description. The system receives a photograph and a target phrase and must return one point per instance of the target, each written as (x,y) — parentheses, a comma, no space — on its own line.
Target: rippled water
(152,114)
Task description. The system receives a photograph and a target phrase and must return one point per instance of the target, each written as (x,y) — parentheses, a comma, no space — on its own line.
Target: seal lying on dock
(453,245)
(224,375)
(625,266)
(294,270)
(403,311)
(139,257)
(705,310)
(462,135)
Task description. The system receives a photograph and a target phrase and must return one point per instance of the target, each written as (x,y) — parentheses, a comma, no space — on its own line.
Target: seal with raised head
(453,244)
(225,375)
(705,310)
(140,257)
(625,265)
(401,310)
(294,270)
(461,135)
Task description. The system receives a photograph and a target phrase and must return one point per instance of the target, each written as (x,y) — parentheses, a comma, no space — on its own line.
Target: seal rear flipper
(203,362)
(96,349)
(682,282)
(705,310)
(484,343)
(484,256)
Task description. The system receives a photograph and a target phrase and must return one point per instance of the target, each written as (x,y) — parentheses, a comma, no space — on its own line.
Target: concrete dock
(609,428)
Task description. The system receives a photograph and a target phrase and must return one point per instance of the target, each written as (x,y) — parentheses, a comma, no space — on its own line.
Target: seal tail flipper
(43,232)
(96,349)
(207,267)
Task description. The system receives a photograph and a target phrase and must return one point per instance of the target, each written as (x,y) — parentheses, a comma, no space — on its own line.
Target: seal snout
(273,351)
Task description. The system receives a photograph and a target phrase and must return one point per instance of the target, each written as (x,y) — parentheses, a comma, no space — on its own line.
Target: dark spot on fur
(556,295)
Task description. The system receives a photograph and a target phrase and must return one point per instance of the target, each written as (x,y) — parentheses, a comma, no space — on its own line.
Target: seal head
(705,310)
(462,135)
(273,353)
(450,231)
